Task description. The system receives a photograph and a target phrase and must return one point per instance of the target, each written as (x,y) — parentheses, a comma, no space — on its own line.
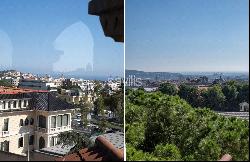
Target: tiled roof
(116,138)
(102,151)
(49,102)
(39,100)
(10,90)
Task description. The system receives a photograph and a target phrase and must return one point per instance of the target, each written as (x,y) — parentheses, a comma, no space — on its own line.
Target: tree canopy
(163,127)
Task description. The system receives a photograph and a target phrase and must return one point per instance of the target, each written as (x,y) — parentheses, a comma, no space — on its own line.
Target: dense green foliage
(79,140)
(226,97)
(163,127)
(5,83)
(168,88)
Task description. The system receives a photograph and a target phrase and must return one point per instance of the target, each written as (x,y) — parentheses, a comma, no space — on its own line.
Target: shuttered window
(20,142)
(59,121)
(4,146)
(6,124)
(65,120)
(53,122)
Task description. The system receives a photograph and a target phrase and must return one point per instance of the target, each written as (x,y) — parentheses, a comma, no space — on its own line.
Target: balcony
(43,130)
(60,129)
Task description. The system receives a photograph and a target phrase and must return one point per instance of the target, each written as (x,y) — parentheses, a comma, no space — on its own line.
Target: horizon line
(193,71)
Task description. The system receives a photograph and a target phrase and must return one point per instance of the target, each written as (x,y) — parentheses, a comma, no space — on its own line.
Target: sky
(56,36)
(187,35)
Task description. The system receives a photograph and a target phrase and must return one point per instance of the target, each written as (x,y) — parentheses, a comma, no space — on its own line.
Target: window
(25,103)
(31,140)
(19,103)
(59,121)
(52,141)
(42,121)
(20,142)
(4,146)
(31,121)
(53,122)
(26,122)
(21,122)
(65,120)
(58,141)
(6,124)
(14,104)
(9,104)
(4,104)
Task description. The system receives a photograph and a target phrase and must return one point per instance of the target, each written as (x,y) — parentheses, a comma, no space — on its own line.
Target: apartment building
(114,85)
(31,119)
(75,96)
(33,84)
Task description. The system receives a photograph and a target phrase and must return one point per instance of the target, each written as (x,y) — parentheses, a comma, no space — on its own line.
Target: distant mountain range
(154,75)
(183,75)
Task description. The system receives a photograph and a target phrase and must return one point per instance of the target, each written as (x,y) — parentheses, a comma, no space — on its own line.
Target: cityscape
(61,94)
(124,80)
(42,110)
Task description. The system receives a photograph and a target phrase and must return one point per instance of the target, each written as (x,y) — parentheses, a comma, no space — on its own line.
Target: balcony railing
(58,129)
(43,130)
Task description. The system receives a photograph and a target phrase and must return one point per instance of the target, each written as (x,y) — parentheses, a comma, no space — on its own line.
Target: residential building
(31,119)
(33,84)
(75,96)
(244,106)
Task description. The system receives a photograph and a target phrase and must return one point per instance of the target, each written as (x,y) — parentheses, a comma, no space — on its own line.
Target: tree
(99,110)
(231,93)
(5,83)
(97,87)
(214,98)
(168,151)
(99,106)
(105,91)
(168,88)
(74,138)
(163,127)
(243,95)
(85,110)
(191,94)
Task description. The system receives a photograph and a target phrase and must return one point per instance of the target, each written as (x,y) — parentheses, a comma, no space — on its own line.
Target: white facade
(15,81)
(21,127)
(114,85)
(86,85)
(244,106)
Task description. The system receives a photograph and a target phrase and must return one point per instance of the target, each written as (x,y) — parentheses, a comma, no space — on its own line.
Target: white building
(30,118)
(86,85)
(244,106)
(15,81)
(114,85)
(33,84)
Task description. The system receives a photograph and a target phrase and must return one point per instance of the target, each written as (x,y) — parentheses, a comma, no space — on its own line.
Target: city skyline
(177,36)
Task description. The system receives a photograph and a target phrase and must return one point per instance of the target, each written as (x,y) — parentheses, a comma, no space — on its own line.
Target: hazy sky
(42,36)
(187,35)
